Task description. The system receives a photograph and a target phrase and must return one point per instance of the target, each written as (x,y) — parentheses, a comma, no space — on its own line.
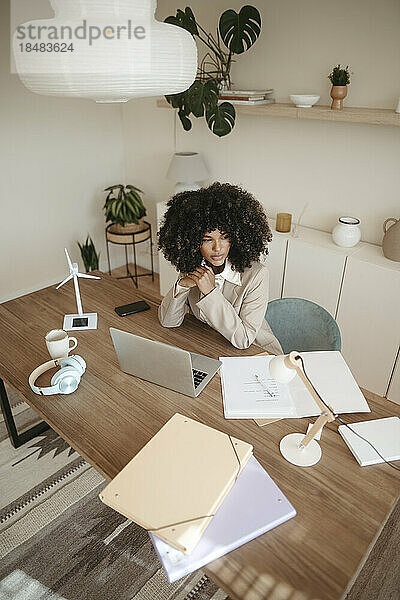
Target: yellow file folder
(175,484)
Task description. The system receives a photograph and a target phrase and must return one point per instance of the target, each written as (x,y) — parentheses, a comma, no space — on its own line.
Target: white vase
(347,232)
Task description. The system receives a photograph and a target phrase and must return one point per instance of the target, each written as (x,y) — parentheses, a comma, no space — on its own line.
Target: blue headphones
(65,381)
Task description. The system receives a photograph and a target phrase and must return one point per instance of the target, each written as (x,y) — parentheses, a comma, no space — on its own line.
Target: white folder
(254,505)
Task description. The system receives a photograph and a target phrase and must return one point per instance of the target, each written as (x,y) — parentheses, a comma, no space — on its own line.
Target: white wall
(337,168)
(56,156)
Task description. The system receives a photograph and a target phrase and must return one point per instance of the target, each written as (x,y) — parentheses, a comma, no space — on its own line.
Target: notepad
(175,484)
(250,392)
(383,434)
(254,505)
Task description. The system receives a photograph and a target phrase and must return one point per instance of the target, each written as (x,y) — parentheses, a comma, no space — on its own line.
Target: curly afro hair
(221,206)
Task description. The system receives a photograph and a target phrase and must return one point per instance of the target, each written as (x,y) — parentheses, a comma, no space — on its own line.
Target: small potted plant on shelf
(89,255)
(124,208)
(340,79)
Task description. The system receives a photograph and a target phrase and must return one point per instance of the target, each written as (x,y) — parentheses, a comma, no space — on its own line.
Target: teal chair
(303,325)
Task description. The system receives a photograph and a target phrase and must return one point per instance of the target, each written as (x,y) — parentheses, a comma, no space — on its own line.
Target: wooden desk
(341,507)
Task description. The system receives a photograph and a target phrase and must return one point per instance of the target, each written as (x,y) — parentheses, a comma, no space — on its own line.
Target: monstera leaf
(201,95)
(221,118)
(185,20)
(240,31)
(179,101)
(176,100)
(186,122)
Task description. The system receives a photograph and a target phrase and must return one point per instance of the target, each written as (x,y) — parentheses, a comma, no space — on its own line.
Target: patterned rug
(58,541)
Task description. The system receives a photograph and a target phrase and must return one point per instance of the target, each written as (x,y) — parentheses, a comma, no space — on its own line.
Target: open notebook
(175,484)
(244,398)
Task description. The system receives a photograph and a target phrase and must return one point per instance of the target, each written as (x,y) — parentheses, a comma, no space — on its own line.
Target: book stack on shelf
(249,97)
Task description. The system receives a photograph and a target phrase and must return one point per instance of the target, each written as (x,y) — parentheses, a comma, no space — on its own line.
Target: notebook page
(249,391)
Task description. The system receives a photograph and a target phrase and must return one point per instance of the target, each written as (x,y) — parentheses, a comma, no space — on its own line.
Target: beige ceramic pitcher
(391,239)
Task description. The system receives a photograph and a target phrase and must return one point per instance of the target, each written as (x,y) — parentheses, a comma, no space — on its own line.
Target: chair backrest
(303,325)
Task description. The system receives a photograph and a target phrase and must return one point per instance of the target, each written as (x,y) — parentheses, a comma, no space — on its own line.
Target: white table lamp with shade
(187,170)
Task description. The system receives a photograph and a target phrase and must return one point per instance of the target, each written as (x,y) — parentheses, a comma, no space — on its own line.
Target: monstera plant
(236,33)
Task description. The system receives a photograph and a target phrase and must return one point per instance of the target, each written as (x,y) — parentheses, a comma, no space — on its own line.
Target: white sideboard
(275,260)
(368,317)
(314,267)
(315,278)
(358,286)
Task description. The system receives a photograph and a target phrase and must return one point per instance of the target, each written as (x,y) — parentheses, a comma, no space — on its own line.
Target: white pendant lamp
(120,51)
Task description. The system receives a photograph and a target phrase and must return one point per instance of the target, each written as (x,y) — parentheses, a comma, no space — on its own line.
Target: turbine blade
(86,276)
(69,260)
(65,281)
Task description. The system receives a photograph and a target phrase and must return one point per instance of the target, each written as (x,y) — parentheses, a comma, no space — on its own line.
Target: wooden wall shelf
(373,116)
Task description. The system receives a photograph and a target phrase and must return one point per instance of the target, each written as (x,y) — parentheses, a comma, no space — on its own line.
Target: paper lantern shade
(120,51)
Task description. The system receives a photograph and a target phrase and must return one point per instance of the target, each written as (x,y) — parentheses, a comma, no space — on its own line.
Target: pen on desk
(261,382)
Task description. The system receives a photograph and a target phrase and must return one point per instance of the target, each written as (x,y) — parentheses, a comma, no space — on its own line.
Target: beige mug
(57,342)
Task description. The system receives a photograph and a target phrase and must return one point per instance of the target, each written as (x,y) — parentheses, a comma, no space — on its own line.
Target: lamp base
(301,457)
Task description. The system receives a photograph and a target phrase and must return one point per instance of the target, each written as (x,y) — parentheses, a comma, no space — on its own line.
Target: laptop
(165,365)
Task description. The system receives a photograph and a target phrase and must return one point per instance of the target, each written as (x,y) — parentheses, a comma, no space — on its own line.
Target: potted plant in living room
(124,208)
(236,33)
(340,79)
(89,255)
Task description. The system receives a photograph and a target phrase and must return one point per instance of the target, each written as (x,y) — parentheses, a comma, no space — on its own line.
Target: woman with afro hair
(215,237)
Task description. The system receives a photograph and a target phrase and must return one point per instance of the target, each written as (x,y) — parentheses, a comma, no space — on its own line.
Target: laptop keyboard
(198,377)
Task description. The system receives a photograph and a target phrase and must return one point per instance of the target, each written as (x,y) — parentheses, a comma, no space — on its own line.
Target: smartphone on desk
(130,309)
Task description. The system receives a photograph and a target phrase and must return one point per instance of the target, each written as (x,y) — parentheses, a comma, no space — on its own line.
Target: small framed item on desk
(80,322)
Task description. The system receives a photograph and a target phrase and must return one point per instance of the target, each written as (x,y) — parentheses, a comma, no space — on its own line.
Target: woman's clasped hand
(203,277)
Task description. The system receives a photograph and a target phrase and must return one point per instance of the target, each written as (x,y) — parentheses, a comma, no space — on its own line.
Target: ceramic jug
(391,239)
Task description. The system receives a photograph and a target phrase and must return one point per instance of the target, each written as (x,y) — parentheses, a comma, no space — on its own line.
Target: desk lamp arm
(293,361)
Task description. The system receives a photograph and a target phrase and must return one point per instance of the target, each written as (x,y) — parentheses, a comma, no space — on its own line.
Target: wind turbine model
(80,320)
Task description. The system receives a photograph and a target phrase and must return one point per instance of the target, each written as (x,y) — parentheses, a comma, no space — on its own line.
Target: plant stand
(130,239)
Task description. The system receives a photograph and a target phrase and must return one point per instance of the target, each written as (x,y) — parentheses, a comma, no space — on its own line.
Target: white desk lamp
(299,449)
(187,170)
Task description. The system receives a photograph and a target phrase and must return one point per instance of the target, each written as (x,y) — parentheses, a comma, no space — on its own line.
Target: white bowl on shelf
(304,100)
